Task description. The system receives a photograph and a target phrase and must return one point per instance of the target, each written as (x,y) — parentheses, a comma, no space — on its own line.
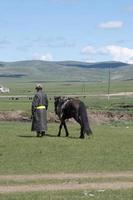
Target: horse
(66,108)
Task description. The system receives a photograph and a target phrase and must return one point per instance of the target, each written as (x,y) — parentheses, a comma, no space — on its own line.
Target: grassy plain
(109,150)
(73,195)
(21,152)
(86,91)
(67,87)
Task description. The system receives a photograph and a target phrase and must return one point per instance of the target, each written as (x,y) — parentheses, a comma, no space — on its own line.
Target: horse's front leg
(65,127)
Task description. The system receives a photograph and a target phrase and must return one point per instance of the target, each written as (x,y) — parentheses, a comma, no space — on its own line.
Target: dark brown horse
(67,108)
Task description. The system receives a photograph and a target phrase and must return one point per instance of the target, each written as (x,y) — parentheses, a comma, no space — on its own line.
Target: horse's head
(58,102)
(57,105)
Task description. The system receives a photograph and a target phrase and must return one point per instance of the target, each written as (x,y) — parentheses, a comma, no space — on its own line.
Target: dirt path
(114,185)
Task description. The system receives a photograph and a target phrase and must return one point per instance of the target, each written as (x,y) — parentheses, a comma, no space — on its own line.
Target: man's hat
(38,86)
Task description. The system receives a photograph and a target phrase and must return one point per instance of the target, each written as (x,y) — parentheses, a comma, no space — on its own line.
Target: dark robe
(39,116)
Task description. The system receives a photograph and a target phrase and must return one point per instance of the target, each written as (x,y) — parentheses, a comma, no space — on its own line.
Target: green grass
(110,149)
(73,195)
(69,88)
(18,86)
(115,105)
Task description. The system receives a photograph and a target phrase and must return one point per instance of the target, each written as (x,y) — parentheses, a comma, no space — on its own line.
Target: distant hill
(66,70)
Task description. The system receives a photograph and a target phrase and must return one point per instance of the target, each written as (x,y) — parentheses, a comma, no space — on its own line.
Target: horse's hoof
(38,134)
(81,137)
(43,133)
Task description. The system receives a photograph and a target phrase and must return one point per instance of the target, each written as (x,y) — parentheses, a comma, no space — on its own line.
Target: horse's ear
(56,97)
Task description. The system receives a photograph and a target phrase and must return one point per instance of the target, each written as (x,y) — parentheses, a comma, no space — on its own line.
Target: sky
(56,30)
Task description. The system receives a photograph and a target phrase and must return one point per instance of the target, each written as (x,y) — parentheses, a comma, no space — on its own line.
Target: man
(39,112)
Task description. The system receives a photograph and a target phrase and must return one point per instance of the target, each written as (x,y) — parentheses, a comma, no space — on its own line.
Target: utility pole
(83,88)
(109,83)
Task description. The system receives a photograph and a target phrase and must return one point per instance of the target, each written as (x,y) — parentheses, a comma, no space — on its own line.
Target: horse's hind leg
(82,129)
(66,130)
(60,127)
(82,133)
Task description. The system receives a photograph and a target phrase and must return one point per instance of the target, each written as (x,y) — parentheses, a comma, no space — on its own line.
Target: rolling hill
(66,70)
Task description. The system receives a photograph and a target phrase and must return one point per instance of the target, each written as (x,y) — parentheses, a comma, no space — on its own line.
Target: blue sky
(82,30)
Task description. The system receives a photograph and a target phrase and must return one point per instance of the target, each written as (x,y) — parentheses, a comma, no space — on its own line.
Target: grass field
(73,195)
(19,86)
(94,152)
(109,150)
(69,88)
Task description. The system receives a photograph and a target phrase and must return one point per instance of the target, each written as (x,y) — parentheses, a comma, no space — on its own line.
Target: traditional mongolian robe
(39,112)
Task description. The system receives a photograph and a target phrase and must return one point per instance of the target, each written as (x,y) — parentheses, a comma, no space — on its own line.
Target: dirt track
(72,184)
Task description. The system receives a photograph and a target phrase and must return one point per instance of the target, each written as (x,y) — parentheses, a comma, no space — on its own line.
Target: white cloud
(44,57)
(119,53)
(113,52)
(88,50)
(111,24)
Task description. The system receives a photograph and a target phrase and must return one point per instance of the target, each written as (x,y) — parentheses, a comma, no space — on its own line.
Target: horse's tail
(84,119)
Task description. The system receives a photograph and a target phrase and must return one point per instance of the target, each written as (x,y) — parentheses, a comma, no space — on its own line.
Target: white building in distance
(4,89)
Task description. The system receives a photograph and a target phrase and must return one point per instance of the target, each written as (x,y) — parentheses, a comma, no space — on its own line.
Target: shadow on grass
(48,135)
(34,136)
(26,136)
(62,136)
